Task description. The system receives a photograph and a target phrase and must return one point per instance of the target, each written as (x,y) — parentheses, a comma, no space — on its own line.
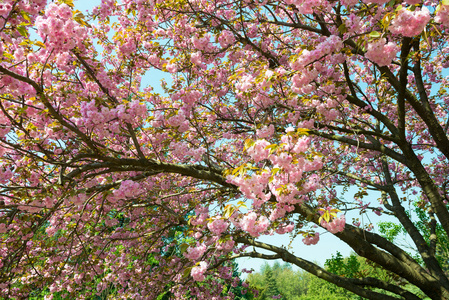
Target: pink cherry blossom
(336,225)
(259,150)
(410,23)
(381,53)
(217,226)
(194,253)
(311,239)
(198,271)
(442,15)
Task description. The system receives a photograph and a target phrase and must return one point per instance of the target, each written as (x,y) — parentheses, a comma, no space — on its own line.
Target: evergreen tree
(271,291)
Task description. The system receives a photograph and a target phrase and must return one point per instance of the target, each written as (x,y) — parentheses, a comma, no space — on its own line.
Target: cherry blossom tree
(275,108)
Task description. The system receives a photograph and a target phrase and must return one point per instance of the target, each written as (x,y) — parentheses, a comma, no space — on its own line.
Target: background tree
(295,285)
(278,278)
(301,285)
(271,291)
(275,109)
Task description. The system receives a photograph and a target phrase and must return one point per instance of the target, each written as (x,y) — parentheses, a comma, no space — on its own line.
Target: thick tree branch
(405,50)
(423,248)
(398,261)
(153,167)
(351,284)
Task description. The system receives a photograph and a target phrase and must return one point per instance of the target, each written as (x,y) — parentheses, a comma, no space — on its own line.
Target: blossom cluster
(285,228)
(30,7)
(410,23)
(245,83)
(109,118)
(5,176)
(226,38)
(128,189)
(183,150)
(336,225)
(311,239)
(3,228)
(442,15)
(198,271)
(288,166)
(253,187)
(381,52)
(307,6)
(225,246)
(380,2)
(202,43)
(354,23)
(330,45)
(265,132)
(218,226)
(254,224)
(5,8)
(194,253)
(259,150)
(58,29)
(201,215)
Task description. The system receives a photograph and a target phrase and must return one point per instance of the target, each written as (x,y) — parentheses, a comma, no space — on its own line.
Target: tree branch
(351,284)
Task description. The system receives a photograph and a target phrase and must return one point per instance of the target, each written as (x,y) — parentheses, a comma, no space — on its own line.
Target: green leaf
(25,15)
(241,204)
(342,28)
(187,272)
(229,210)
(69,3)
(374,34)
(303,131)
(426,38)
(272,148)
(25,42)
(183,247)
(238,170)
(326,216)
(22,30)
(40,44)
(248,143)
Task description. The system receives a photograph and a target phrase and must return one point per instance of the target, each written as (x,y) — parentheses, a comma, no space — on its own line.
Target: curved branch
(423,248)
(351,284)
(396,261)
(153,167)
